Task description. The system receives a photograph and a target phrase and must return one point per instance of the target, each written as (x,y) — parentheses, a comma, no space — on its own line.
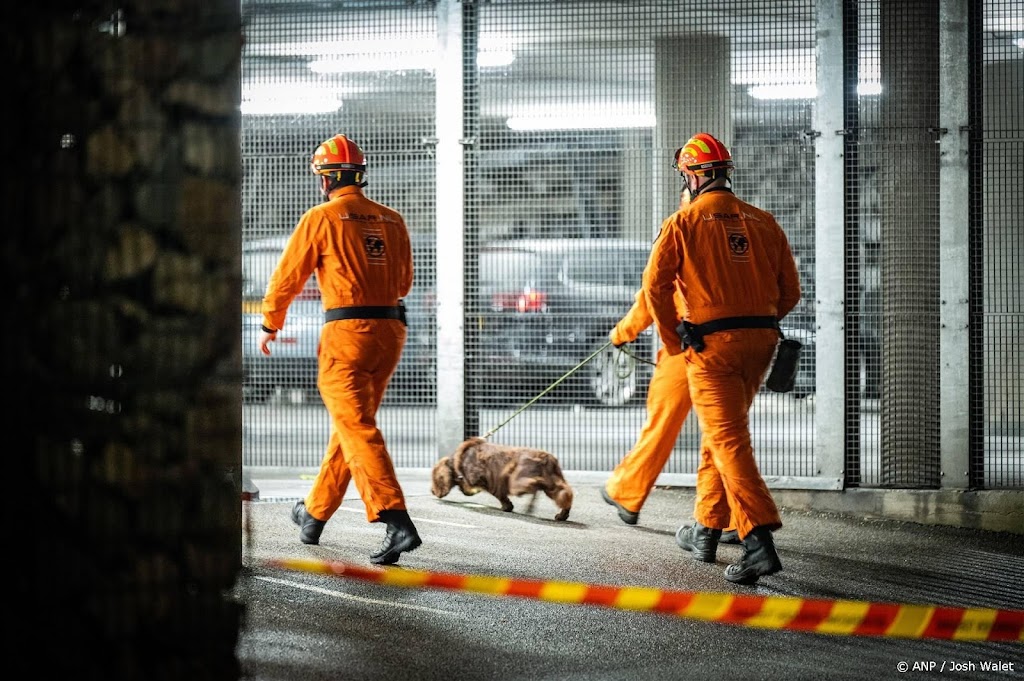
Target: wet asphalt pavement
(311,627)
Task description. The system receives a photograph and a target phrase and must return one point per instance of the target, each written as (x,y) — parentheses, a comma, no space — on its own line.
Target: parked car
(545,305)
(542,307)
(292,364)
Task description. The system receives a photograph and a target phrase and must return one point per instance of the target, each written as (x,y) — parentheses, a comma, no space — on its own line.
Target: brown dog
(481,466)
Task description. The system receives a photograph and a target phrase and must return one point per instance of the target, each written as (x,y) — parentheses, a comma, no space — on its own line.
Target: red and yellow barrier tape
(849,618)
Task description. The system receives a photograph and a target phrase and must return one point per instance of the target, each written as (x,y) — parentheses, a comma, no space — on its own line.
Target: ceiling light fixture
(422,60)
(783,91)
(805,90)
(561,119)
(270,99)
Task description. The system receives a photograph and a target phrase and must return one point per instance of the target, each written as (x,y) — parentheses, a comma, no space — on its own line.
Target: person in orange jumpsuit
(735,270)
(668,404)
(362,257)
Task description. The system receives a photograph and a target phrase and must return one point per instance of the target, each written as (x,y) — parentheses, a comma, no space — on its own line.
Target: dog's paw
(507,507)
(563,514)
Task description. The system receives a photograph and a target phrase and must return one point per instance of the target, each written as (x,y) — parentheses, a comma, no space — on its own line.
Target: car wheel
(611,377)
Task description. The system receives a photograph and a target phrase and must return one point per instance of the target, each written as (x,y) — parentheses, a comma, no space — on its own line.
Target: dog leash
(567,374)
(639,359)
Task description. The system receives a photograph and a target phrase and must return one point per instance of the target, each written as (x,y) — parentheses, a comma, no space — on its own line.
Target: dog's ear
(463,447)
(466,451)
(442,477)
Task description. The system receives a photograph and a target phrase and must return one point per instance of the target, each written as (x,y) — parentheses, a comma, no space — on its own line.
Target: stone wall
(121,357)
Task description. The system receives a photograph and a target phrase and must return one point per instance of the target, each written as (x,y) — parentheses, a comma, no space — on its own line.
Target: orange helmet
(336,155)
(703,155)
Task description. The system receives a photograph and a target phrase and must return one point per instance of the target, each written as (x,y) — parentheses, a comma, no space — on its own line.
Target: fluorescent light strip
(424,60)
(288,98)
(378,44)
(783,91)
(528,123)
(805,90)
(271,107)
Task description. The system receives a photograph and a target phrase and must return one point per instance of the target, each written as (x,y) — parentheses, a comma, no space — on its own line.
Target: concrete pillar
(908,167)
(954,244)
(451,342)
(829,256)
(692,93)
(637,221)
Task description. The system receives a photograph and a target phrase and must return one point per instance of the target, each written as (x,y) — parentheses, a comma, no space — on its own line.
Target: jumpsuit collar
(705,192)
(343,191)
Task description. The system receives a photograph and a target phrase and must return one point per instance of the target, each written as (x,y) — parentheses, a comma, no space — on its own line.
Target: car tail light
(528,300)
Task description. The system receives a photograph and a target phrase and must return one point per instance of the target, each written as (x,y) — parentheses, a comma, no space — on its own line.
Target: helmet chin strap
(701,186)
(329,184)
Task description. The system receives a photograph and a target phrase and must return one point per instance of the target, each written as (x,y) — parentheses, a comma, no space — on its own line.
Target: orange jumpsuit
(361,254)
(668,403)
(728,259)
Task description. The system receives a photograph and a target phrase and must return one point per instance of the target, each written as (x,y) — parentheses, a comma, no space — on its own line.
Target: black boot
(730,537)
(401,536)
(625,515)
(759,558)
(702,541)
(309,527)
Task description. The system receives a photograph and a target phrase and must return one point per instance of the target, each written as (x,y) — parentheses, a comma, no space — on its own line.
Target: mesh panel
(573,180)
(310,72)
(998,245)
(892,260)
(571,113)
(588,191)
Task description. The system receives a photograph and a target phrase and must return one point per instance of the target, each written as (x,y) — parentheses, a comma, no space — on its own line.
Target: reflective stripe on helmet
(701,153)
(337,154)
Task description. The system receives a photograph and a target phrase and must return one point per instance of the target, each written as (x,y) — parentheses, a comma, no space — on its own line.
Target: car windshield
(257,266)
(508,267)
(608,268)
(602,267)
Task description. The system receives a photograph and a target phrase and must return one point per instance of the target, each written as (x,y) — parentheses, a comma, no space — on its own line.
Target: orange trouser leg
(668,403)
(328,490)
(724,378)
(355,369)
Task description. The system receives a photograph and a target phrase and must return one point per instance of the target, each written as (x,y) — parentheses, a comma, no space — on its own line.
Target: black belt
(366,312)
(693,334)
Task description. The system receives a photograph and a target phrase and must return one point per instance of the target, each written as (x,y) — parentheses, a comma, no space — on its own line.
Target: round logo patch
(374,246)
(738,244)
